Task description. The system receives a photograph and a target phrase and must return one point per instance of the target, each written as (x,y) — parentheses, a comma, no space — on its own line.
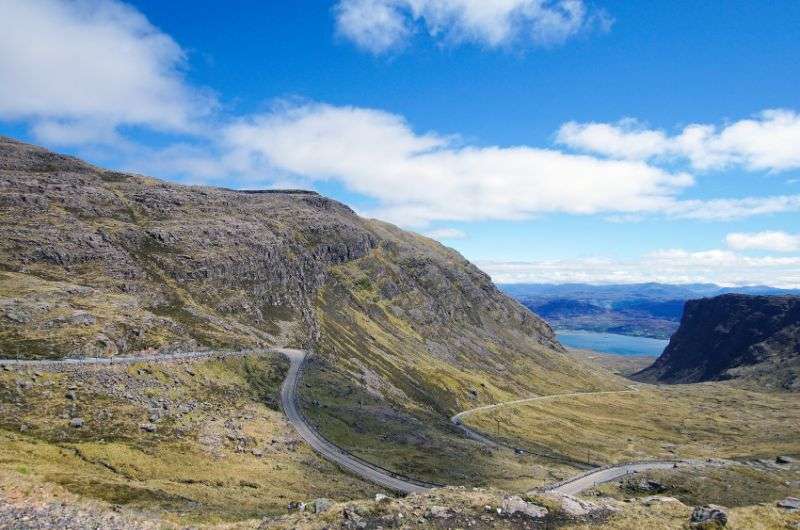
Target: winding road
(329,451)
(343,458)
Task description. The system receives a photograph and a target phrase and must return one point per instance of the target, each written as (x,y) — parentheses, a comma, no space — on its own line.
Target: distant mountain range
(642,309)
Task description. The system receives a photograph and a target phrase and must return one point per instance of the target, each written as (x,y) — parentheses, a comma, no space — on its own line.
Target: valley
(180,356)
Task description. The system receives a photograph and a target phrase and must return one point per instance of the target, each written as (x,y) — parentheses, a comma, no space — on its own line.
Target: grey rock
(516,504)
(322,505)
(71,395)
(439,512)
(708,516)
(149,427)
(785,460)
(643,486)
(296,506)
(657,499)
(789,503)
(76,423)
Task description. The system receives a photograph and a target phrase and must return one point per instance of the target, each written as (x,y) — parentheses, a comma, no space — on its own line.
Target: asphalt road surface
(328,450)
(577,484)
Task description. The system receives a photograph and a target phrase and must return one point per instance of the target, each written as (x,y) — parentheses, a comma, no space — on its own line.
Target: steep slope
(406,331)
(734,336)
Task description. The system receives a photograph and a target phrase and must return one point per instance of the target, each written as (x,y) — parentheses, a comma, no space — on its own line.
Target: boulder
(789,503)
(708,517)
(379,497)
(439,512)
(657,499)
(77,423)
(578,507)
(322,505)
(296,506)
(785,460)
(643,486)
(516,504)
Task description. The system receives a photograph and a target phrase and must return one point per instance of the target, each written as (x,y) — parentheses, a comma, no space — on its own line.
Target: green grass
(189,469)
(691,421)
(385,386)
(733,485)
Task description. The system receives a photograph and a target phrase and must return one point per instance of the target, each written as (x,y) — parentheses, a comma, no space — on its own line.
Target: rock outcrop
(98,262)
(103,263)
(734,336)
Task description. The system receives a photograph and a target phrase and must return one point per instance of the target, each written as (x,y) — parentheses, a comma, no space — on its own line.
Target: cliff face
(734,336)
(96,262)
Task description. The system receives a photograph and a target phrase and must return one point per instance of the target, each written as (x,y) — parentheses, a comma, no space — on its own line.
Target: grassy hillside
(199,441)
(405,332)
(408,338)
(687,421)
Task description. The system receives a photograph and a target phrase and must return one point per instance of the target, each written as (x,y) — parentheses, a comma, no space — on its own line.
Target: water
(611,342)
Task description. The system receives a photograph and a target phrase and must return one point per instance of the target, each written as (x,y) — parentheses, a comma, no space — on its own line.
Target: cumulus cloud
(624,139)
(78,70)
(768,141)
(420,178)
(99,66)
(722,267)
(776,241)
(379,26)
(728,209)
(446,233)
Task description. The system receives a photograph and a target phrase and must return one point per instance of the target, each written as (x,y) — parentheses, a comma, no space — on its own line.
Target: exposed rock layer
(734,336)
(102,263)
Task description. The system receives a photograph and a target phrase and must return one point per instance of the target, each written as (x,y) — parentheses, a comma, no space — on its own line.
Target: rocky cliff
(97,262)
(755,338)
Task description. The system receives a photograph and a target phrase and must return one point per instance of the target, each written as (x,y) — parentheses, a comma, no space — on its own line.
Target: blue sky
(548,140)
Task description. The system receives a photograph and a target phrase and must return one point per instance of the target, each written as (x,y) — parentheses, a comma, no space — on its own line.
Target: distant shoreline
(613,343)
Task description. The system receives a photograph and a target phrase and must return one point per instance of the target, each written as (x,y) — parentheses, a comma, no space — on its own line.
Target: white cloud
(379,26)
(727,209)
(80,69)
(770,240)
(768,141)
(373,25)
(98,66)
(420,178)
(624,139)
(446,233)
(666,266)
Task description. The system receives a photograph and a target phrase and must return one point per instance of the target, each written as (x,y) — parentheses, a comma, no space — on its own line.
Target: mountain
(644,309)
(734,336)
(405,331)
